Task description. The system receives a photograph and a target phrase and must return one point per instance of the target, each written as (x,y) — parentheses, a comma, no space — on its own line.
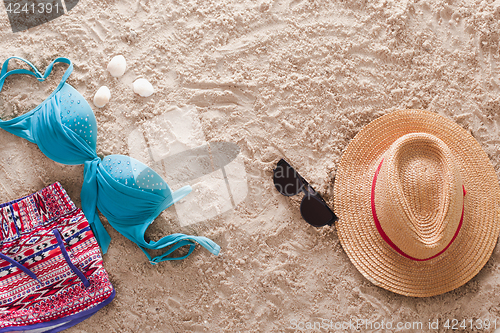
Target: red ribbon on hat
(388,240)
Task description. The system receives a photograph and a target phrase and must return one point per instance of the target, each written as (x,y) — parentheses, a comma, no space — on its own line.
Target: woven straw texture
(419,195)
(376,259)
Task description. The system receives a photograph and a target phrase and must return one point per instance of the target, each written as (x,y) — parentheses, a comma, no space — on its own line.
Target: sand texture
(284,78)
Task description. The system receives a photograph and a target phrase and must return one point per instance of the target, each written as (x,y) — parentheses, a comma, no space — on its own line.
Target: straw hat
(418,203)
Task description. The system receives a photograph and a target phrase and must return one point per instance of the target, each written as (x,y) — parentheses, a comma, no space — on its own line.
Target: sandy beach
(296,79)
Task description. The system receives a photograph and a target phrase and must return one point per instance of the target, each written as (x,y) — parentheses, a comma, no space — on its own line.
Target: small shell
(117,66)
(102,97)
(143,87)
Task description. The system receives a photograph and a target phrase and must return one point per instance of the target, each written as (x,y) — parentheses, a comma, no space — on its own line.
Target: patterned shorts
(51,270)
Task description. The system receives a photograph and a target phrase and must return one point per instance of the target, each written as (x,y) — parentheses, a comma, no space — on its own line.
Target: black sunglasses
(312,208)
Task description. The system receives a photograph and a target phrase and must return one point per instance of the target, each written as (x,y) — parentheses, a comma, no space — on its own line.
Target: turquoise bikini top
(127,192)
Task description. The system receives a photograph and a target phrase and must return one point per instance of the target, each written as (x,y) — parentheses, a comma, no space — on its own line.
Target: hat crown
(419,195)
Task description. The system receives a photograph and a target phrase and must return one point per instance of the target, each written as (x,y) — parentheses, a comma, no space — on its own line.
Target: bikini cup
(127,192)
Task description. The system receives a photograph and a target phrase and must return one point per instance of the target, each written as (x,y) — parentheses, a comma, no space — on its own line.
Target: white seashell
(143,87)
(102,97)
(117,66)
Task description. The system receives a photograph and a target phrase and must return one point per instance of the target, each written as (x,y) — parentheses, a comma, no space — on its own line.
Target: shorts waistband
(23,215)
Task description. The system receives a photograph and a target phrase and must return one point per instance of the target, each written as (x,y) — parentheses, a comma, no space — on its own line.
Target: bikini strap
(6,64)
(4,73)
(179,240)
(68,72)
(165,256)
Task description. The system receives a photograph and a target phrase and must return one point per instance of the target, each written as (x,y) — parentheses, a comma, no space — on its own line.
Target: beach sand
(285,78)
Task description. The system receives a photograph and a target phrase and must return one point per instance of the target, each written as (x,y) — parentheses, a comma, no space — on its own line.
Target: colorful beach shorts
(51,270)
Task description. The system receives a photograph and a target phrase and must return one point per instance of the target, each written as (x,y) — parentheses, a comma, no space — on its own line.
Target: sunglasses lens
(315,212)
(286,180)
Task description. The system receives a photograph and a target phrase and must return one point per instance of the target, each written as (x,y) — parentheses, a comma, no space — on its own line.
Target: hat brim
(359,237)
